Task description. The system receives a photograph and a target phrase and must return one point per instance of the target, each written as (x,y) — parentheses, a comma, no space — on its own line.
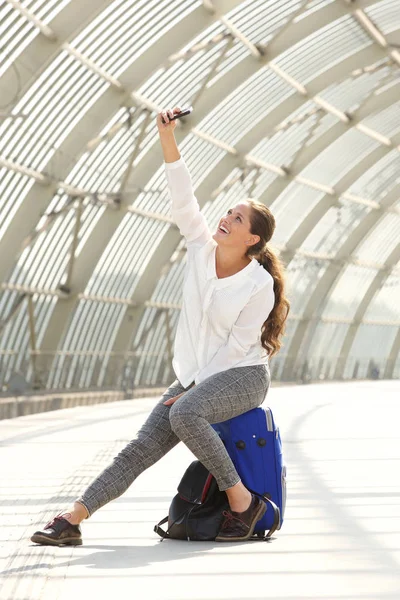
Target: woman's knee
(181,415)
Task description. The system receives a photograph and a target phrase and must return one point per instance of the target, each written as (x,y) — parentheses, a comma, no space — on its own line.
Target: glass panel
(249,97)
(337,225)
(233,57)
(16,31)
(258,20)
(277,362)
(201,158)
(303,275)
(324,350)
(170,283)
(125,30)
(281,147)
(338,159)
(378,245)
(291,208)
(348,292)
(350,94)
(369,351)
(386,122)
(385,305)
(188,73)
(153,362)
(258,183)
(312,7)
(379,179)
(126,256)
(13,188)
(312,56)
(385,15)
(326,121)
(53,106)
(15,353)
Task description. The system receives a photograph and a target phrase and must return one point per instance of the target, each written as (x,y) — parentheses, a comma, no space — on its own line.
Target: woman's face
(236,221)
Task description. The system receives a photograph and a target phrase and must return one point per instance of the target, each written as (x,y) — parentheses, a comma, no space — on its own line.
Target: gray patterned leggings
(216,399)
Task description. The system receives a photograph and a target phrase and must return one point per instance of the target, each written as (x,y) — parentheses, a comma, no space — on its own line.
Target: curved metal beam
(320,295)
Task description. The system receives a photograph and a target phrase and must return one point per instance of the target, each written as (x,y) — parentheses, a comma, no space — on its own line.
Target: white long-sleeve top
(220,322)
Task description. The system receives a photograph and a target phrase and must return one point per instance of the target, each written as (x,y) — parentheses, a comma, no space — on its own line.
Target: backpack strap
(276,510)
(163,534)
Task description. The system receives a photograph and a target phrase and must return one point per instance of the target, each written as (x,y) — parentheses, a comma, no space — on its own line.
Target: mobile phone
(183,113)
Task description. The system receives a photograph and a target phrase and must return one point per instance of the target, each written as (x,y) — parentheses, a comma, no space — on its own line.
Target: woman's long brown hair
(262,223)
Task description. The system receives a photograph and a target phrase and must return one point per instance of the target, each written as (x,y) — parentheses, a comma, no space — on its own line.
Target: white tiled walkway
(340,539)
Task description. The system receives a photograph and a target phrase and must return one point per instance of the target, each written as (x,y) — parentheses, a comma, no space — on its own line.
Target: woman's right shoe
(58,532)
(239,526)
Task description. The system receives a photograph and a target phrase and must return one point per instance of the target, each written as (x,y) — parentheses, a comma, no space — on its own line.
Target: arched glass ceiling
(295,103)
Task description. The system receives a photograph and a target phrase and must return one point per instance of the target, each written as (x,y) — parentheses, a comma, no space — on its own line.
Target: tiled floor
(340,538)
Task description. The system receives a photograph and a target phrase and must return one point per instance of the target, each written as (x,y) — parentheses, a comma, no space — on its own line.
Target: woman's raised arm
(185,209)
(167,137)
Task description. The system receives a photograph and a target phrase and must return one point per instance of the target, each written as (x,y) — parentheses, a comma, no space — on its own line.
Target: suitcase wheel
(260,534)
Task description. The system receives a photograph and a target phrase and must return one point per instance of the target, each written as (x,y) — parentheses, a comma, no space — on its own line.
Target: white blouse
(220,322)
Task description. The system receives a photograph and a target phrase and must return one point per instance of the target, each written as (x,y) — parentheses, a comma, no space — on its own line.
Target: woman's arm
(167,136)
(185,209)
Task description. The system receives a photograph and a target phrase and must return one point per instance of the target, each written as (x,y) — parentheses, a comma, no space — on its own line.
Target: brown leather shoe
(58,532)
(239,526)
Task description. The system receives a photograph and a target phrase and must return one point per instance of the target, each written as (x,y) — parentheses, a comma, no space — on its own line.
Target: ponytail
(274,327)
(263,224)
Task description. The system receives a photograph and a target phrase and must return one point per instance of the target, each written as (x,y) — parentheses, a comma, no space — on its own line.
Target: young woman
(232,316)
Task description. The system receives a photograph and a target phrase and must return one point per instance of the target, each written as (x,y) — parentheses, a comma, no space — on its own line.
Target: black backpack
(196,512)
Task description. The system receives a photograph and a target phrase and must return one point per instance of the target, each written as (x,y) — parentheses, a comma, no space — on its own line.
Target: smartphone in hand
(183,113)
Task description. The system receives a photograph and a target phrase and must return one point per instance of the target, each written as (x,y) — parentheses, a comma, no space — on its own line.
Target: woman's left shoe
(58,532)
(239,526)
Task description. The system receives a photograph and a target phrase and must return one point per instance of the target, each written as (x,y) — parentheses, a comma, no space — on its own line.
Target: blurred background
(296,103)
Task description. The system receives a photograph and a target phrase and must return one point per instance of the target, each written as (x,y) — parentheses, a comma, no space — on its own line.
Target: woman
(233,312)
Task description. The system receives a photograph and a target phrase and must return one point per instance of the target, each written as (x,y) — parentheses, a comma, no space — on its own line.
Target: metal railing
(125,372)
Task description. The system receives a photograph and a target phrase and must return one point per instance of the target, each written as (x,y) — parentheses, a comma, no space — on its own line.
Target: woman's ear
(254,240)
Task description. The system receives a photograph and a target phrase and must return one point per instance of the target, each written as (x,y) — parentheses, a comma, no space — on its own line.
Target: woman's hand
(167,114)
(175,398)
(172,400)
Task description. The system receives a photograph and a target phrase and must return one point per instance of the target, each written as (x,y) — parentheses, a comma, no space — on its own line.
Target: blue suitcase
(254,444)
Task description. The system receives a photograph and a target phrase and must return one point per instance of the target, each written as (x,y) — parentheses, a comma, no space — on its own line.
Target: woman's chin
(218,237)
